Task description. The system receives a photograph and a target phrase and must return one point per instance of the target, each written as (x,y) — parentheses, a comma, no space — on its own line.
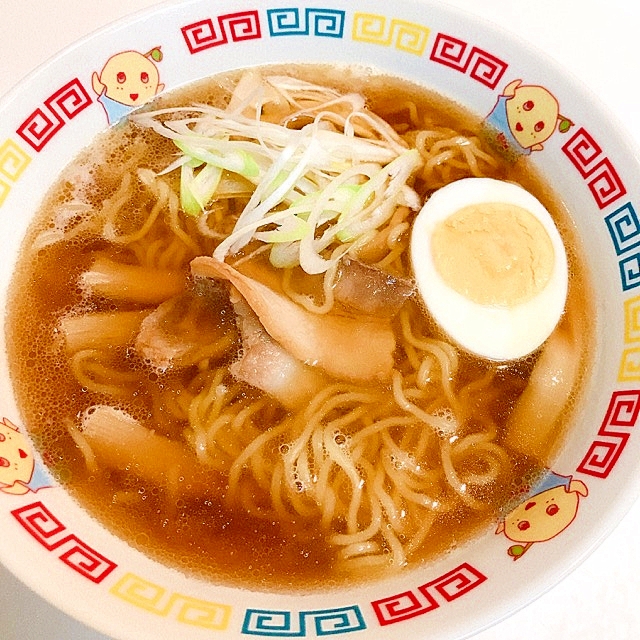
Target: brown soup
(160,405)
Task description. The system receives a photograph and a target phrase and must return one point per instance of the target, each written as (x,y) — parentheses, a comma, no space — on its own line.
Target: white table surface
(599,42)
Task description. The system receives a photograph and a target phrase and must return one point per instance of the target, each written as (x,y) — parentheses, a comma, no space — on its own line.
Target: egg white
(495,332)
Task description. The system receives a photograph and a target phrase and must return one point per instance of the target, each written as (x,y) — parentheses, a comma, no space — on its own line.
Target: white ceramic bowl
(52,545)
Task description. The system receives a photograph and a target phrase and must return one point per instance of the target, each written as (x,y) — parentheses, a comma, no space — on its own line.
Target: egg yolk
(493,253)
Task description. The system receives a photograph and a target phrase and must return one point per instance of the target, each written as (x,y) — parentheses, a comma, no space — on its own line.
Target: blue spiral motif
(630,272)
(262,622)
(317,22)
(283,624)
(624,228)
(341,620)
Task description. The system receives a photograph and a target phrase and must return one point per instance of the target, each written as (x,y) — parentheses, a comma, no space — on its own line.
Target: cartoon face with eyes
(16,460)
(544,514)
(127,80)
(532,114)
(523,118)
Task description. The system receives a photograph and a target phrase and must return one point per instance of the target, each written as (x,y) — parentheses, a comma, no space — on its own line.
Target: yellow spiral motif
(13,161)
(404,36)
(158,600)
(630,363)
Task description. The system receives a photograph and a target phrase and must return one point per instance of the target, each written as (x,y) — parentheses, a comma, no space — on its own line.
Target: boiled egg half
(490,266)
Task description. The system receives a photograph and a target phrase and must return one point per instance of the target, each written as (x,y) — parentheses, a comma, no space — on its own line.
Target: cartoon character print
(547,510)
(128,80)
(523,119)
(19,472)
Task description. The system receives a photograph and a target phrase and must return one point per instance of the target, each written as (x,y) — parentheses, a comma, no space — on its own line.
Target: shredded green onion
(317,189)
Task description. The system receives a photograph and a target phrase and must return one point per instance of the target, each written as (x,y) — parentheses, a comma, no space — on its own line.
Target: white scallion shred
(316,190)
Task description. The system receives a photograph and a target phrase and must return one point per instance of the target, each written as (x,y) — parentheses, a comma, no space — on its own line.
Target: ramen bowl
(66,555)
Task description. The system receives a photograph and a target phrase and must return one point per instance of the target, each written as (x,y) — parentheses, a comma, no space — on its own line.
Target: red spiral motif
(44,527)
(486,68)
(457,54)
(456,583)
(583,151)
(605,184)
(242,26)
(234,27)
(426,597)
(450,51)
(39,128)
(69,100)
(601,176)
(46,120)
(614,432)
